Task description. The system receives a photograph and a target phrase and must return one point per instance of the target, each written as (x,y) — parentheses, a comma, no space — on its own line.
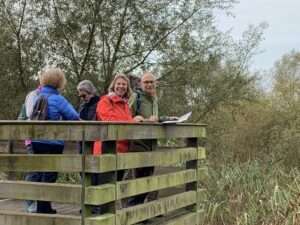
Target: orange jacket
(113,108)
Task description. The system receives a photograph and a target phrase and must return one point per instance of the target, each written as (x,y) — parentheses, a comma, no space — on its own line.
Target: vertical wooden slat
(110,147)
(201,192)
(86,179)
(84,209)
(193,142)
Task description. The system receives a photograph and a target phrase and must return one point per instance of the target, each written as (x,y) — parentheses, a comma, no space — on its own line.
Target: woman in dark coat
(88,95)
(87,111)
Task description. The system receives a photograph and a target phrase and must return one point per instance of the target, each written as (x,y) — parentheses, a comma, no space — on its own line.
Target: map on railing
(180,119)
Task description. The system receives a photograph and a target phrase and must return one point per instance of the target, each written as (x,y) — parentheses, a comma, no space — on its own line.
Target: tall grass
(252,193)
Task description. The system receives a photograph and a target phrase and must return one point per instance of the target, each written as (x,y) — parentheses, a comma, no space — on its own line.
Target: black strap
(138,103)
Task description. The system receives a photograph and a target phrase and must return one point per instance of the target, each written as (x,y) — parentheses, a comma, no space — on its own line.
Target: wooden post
(201,177)
(193,142)
(86,180)
(110,147)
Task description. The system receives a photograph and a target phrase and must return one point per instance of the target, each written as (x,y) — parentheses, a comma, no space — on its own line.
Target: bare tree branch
(10,19)
(91,37)
(164,37)
(19,44)
(119,40)
(74,60)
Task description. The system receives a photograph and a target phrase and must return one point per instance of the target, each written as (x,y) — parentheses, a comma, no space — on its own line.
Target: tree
(209,71)
(109,36)
(93,39)
(21,56)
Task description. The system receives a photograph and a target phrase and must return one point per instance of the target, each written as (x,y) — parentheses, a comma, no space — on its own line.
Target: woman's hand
(151,119)
(138,119)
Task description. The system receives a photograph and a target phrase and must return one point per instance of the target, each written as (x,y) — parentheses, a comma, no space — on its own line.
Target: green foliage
(94,39)
(253,193)
(208,72)
(69,178)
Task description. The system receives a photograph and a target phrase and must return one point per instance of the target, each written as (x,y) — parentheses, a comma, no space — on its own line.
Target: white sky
(282,35)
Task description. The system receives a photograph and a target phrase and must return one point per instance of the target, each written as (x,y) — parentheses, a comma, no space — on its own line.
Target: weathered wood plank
(135,214)
(94,164)
(13,218)
(157,158)
(40,191)
(97,195)
(40,130)
(201,153)
(183,219)
(61,163)
(73,130)
(106,219)
(65,193)
(129,188)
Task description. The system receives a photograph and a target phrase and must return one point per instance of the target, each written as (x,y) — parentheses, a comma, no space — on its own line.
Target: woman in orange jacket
(114,107)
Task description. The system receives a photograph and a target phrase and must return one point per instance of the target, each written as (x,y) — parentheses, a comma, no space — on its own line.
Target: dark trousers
(32,177)
(142,146)
(45,177)
(139,173)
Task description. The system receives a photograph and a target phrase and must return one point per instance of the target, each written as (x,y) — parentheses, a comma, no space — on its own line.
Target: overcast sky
(282,35)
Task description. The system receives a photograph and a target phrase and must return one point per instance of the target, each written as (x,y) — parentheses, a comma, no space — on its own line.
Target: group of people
(119,104)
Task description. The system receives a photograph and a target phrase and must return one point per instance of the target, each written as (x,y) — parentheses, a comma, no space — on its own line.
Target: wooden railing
(176,208)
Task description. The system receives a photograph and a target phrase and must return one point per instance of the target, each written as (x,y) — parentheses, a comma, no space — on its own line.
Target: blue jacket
(58,109)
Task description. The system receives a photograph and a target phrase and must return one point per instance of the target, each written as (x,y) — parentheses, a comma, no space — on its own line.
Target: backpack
(22,114)
(40,108)
(138,103)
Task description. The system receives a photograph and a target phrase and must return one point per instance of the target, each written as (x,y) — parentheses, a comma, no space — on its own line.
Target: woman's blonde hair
(113,83)
(54,77)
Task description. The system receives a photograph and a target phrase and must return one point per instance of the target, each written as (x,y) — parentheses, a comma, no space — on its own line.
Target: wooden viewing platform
(181,191)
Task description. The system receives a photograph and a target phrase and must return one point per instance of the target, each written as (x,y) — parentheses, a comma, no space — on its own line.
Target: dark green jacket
(143,104)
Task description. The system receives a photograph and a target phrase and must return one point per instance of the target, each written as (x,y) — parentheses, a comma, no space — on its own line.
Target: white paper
(181,119)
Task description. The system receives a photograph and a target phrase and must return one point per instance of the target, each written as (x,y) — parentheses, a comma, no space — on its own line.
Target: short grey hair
(87,86)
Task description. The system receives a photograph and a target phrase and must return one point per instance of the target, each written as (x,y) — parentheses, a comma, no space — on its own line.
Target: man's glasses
(148,81)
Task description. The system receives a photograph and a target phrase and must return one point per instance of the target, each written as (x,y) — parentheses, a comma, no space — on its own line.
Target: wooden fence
(178,208)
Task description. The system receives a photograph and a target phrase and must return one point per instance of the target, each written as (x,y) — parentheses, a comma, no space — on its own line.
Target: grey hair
(87,86)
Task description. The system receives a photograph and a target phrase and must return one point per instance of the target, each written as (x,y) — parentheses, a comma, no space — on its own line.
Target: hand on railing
(138,119)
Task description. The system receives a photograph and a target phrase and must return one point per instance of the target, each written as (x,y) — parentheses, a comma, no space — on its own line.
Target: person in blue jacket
(52,81)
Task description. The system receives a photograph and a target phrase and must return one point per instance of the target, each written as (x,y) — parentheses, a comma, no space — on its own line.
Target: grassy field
(252,193)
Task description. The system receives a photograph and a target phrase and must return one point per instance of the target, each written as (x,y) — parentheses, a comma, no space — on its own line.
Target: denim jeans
(30,205)
(46,177)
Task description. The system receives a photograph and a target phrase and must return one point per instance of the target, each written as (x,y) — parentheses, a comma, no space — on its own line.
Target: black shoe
(96,210)
(146,221)
(51,211)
